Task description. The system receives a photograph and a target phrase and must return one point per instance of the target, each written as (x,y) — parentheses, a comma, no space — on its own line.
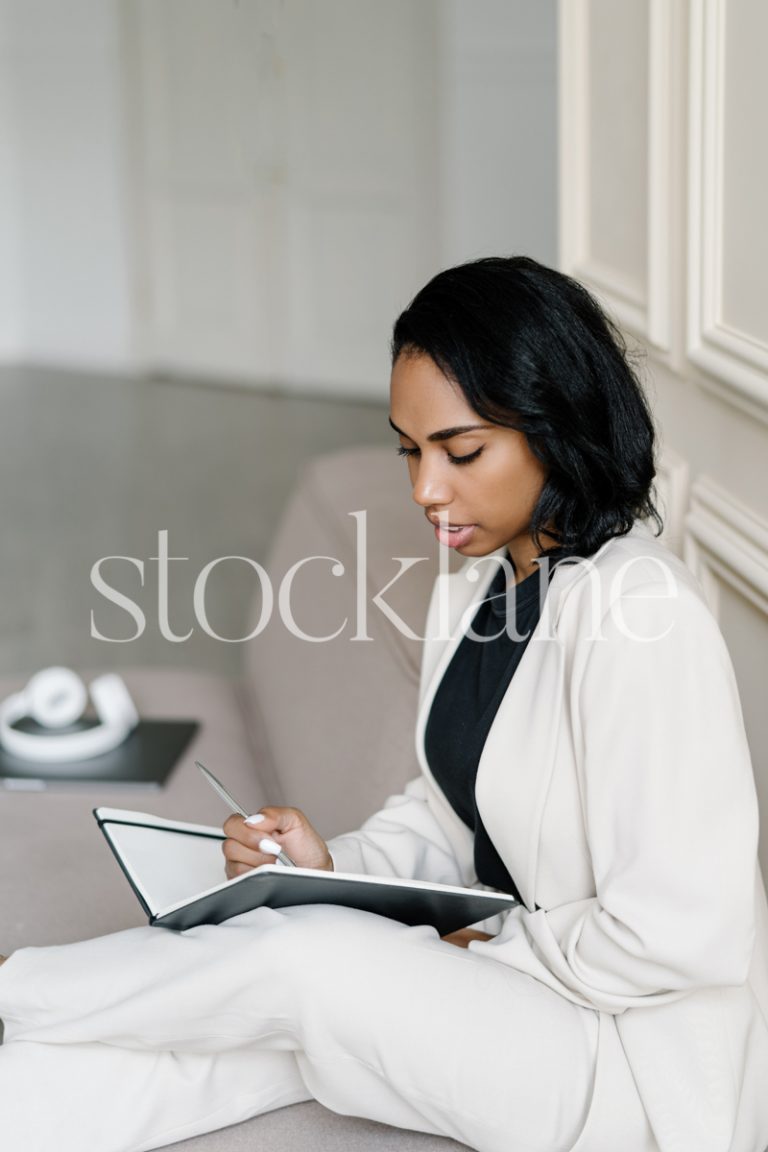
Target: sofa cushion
(312,1126)
(328,727)
(338,717)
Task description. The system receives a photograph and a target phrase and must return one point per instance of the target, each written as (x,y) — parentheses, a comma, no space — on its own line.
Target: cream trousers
(142,1038)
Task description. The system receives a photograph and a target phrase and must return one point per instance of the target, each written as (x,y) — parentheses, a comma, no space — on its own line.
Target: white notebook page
(168,866)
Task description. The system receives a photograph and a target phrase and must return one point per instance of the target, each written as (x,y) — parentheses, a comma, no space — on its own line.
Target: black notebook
(177,873)
(144,759)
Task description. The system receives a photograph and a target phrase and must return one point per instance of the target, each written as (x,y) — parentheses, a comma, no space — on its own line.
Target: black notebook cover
(145,759)
(177,873)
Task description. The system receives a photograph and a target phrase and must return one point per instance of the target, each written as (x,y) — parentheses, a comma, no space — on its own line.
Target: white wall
(498,128)
(288,183)
(663,187)
(63,183)
(380,142)
(10,202)
(252,190)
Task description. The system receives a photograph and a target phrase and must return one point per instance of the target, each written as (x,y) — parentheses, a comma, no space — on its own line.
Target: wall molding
(737,362)
(647,314)
(726,542)
(660,172)
(673,488)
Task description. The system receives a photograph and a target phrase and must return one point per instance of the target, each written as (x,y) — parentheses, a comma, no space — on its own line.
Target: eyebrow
(445,434)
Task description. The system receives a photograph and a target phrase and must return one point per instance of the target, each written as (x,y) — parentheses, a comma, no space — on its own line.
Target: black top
(468,698)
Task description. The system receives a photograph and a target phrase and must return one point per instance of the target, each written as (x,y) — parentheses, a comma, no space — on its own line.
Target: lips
(452,535)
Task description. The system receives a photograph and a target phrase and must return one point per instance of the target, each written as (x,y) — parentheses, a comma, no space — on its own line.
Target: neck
(524,555)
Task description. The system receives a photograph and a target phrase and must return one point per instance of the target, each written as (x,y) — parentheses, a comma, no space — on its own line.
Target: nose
(430,485)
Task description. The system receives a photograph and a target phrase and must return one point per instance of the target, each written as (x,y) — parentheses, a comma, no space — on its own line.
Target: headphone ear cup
(56,697)
(112,701)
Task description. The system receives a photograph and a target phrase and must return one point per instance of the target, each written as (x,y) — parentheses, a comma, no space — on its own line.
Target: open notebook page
(167,866)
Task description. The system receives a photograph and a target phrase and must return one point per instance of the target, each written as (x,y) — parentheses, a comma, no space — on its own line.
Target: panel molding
(736,362)
(725,541)
(645,314)
(673,489)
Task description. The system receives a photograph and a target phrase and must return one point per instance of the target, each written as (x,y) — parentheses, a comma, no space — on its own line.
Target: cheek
(517,488)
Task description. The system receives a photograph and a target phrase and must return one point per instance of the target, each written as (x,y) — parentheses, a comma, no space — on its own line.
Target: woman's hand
(288,827)
(462,938)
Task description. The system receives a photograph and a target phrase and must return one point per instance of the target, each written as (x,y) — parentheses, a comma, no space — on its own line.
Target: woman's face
(478,483)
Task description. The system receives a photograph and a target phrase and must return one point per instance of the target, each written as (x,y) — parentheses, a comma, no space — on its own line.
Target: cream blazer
(616,785)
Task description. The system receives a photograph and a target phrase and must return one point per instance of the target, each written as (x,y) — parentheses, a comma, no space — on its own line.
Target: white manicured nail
(257,819)
(269,846)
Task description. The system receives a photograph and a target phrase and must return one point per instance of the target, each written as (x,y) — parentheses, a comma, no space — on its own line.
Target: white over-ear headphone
(57,697)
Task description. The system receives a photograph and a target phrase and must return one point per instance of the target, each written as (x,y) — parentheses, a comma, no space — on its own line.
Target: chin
(476,549)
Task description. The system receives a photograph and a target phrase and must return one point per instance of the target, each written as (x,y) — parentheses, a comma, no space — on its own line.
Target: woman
(581,746)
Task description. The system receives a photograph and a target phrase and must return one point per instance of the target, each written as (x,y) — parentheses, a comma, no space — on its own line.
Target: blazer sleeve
(670,815)
(403,839)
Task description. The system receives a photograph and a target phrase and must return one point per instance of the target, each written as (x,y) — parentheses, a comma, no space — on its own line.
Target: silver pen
(233,804)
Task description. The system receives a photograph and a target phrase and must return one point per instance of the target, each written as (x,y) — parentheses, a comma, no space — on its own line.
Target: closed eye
(403,451)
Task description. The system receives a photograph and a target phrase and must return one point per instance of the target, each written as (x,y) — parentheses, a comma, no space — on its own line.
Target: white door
(287,152)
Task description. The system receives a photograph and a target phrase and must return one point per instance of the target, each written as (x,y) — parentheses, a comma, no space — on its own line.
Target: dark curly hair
(531,349)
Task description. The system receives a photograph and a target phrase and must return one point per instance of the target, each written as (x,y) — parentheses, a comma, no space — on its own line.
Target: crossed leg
(147,1036)
(97,1098)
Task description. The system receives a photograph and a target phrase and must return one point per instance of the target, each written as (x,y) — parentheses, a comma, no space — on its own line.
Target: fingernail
(257,819)
(269,846)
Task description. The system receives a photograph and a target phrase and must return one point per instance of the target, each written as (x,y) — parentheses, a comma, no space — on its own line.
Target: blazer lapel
(518,758)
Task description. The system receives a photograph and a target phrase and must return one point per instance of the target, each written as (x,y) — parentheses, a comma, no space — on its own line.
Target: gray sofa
(325,726)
